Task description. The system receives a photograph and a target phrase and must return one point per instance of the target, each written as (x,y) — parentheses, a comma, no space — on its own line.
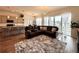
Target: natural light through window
(39,21)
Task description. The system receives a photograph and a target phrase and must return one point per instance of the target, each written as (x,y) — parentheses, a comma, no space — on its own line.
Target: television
(10,21)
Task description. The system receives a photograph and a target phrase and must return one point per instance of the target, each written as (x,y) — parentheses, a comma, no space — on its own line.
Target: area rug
(40,44)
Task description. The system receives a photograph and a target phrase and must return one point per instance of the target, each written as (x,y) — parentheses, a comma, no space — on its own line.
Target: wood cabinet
(3,20)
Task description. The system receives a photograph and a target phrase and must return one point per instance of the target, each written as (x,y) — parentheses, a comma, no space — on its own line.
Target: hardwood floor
(7,45)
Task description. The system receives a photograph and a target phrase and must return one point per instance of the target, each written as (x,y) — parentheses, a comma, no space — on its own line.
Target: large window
(63,22)
(58,22)
(46,19)
(66,24)
(51,21)
(39,21)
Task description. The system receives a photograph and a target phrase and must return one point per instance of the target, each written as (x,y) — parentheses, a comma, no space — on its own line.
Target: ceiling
(30,10)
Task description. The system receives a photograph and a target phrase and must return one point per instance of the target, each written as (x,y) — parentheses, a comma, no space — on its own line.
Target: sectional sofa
(33,31)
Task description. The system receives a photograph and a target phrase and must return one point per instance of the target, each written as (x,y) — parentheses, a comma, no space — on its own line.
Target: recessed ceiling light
(16,17)
(8,17)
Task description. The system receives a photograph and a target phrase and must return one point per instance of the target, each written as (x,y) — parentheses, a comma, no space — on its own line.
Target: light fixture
(8,17)
(16,17)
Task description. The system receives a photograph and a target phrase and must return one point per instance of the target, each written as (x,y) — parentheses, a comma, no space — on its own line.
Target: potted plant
(74,24)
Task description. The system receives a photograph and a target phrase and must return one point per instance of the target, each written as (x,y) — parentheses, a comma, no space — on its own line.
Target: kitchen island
(10,31)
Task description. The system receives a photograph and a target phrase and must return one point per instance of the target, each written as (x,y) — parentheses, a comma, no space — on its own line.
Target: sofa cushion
(41,28)
(53,29)
(30,27)
(49,28)
(44,28)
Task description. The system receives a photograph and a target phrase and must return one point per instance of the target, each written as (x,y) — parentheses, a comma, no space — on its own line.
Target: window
(39,21)
(58,22)
(34,22)
(51,21)
(46,21)
(66,24)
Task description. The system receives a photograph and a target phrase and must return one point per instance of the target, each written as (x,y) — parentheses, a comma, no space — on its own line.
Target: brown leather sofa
(32,31)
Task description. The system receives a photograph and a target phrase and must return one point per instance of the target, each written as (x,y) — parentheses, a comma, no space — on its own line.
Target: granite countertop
(9,26)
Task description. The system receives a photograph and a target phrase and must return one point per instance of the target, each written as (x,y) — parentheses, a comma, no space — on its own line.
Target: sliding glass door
(58,22)
(66,24)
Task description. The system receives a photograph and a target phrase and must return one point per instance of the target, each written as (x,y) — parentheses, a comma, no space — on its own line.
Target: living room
(38,29)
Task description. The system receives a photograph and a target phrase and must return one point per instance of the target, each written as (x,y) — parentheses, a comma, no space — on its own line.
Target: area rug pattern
(40,44)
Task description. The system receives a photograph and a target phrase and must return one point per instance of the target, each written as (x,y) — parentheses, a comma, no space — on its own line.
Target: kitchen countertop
(9,26)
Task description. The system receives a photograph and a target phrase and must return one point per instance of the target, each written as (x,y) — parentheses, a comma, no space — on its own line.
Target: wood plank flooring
(7,45)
